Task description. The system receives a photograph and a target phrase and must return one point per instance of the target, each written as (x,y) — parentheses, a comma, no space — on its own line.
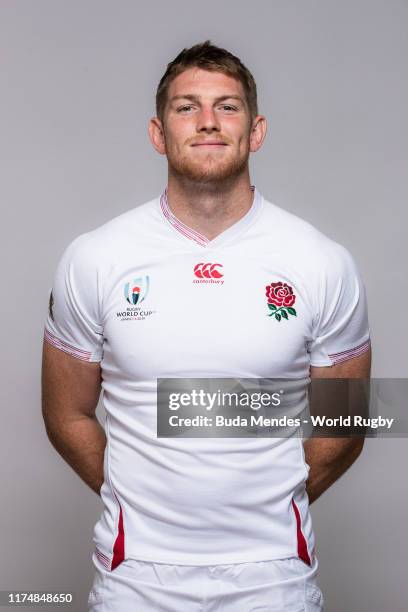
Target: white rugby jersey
(148,298)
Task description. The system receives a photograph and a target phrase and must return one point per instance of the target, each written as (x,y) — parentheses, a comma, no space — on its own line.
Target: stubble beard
(208,170)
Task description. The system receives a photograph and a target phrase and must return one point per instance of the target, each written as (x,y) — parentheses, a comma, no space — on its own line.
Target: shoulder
(137,218)
(101,243)
(307,243)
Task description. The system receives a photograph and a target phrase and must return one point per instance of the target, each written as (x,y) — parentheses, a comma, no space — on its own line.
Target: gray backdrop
(78,80)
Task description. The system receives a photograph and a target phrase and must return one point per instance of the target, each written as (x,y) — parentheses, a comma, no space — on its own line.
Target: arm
(70,393)
(329,458)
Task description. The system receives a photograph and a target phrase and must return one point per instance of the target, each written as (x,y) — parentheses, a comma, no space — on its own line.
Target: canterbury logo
(208,270)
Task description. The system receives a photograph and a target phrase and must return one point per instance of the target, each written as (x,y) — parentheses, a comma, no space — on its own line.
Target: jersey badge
(50,305)
(137,290)
(280,298)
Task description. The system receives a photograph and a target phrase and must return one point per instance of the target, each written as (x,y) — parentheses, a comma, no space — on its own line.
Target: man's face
(206,126)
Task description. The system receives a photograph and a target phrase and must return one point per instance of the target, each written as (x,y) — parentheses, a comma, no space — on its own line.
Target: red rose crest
(280,300)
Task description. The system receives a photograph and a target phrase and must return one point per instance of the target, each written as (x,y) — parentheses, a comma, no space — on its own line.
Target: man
(211,523)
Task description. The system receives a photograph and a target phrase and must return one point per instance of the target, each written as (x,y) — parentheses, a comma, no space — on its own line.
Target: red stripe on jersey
(179,225)
(119,546)
(102,558)
(354,352)
(100,554)
(67,348)
(301,542)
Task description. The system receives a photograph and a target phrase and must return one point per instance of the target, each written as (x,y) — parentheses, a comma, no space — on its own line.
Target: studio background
(78,81)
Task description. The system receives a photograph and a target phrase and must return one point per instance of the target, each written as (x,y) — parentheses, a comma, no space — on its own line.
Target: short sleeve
(341,327)
(73,320)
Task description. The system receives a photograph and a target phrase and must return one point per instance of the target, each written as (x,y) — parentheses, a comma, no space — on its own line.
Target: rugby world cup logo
(136,291)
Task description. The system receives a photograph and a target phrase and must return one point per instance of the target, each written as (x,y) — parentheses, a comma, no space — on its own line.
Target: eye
(229,107)
(184,108)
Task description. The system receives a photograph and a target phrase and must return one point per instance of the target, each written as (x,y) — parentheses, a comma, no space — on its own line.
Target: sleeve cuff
(70,349)
(335,358)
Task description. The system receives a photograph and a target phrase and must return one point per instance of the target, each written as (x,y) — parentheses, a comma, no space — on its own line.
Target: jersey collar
(231,232)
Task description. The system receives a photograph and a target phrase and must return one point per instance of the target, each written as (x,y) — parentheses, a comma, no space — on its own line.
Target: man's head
(207,117)
(207,57)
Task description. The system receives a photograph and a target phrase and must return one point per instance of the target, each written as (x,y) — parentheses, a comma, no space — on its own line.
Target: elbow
(357,446)
(353,450)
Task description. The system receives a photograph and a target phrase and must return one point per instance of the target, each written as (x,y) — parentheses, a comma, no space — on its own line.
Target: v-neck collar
(231,232)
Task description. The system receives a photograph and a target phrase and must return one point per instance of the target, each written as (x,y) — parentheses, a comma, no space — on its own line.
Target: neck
(209,208)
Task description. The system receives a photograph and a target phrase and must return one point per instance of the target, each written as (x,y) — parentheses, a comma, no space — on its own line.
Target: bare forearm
(328,459)
(81,443)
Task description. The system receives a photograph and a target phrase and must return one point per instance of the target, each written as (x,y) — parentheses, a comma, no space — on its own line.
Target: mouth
(210,144)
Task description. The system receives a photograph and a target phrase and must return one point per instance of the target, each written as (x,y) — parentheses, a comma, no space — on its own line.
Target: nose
(207,121)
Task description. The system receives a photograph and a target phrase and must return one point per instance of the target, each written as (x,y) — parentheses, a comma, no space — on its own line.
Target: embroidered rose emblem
(280,300)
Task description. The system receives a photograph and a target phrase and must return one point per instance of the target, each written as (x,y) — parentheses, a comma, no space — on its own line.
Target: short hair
(208,57)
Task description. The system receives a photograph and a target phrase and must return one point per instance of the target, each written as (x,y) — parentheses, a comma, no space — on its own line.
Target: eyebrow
(194,98)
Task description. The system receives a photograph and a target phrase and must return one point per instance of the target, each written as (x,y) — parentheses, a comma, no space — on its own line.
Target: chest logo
(280,298)
(137,290)
(208,273)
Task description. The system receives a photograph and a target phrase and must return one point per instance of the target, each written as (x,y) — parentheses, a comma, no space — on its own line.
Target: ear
(258,133)
(156,135)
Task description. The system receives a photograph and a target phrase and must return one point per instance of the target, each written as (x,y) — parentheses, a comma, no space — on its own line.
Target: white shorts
(285,585)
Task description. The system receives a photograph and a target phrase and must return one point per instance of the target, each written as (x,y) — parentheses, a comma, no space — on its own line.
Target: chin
(210,172)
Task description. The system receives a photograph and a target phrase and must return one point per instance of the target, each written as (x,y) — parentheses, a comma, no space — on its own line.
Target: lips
(210,143)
